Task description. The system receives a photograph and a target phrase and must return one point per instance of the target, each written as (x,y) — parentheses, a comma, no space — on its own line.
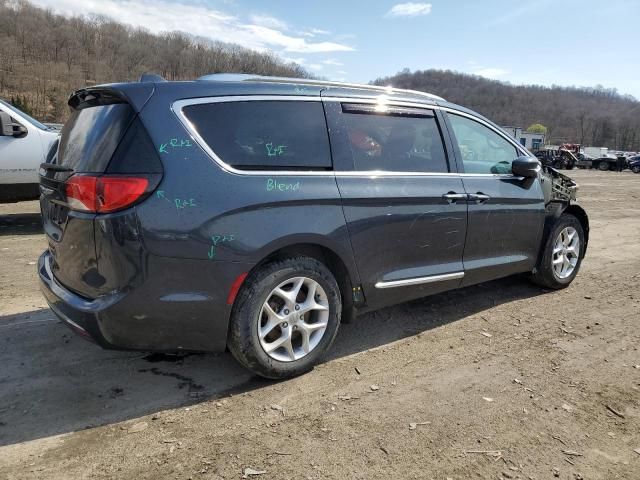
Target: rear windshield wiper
(55,167)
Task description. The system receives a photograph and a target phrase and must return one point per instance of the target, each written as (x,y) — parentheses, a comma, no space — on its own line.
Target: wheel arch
(343,270)
(554,211)
(579,212)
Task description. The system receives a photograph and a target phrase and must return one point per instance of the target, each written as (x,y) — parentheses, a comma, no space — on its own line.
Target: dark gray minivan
(257,213)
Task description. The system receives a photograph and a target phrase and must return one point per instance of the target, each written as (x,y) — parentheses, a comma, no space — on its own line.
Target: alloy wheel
(293,319)
(566,252)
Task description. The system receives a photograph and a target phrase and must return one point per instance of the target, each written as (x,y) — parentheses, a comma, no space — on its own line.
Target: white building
(530,140)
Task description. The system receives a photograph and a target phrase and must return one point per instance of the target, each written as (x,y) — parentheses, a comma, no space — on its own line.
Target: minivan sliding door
(405,211)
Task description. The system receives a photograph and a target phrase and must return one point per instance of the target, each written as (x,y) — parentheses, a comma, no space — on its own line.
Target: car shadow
(20,224)
(53,382)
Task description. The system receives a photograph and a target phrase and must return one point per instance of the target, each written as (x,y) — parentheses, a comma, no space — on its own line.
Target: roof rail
(245,77)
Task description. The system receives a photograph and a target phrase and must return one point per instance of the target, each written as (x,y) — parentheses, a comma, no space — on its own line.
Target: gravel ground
(501,380)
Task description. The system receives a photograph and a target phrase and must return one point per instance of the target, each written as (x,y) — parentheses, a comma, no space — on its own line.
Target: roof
(240,77)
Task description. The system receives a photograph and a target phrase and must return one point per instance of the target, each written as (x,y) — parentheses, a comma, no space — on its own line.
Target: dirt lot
(502,380)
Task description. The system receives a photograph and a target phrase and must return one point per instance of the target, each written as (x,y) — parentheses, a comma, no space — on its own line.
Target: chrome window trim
(178,106)
(420,280)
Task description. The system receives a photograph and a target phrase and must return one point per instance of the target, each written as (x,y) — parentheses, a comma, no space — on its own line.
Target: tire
(603,166)
(570,166)
(635,169)
(545,274)
(258,307)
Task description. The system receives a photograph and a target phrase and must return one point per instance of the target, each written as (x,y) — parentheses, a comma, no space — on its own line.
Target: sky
(562,42)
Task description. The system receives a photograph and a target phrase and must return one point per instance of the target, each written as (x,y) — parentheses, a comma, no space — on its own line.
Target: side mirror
(527,167)
(8,128)
(6,125)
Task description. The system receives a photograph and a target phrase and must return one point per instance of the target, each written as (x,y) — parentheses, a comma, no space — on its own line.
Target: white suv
(24,144)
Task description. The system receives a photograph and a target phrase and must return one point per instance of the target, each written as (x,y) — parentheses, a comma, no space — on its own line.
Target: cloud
(258,32)
(312,32)
(276,38)
(409,9)
(318,31)
(315,67)
(269,22)
(332,61)
(490,72)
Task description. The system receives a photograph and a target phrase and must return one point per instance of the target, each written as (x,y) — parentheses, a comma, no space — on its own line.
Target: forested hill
(591,116)
(44,57)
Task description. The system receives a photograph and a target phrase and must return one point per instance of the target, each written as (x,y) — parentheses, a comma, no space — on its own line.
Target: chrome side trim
(379,173)
(178,106)
(420,280)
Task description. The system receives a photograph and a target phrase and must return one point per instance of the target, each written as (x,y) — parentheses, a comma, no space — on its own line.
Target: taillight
(103,194)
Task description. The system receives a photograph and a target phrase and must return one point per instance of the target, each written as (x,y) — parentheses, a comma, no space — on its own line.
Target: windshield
(32,120)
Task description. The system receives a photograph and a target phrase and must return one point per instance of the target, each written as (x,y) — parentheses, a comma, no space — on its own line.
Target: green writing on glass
(275,151)
(217,240)
(174,143)
(273,184)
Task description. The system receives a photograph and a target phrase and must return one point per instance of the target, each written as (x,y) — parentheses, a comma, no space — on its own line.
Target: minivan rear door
(88,141)
(404,204)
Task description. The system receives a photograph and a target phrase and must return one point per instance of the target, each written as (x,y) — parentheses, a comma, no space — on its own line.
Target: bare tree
(44,56)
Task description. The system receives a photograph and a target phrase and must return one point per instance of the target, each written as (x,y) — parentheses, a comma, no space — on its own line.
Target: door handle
(479,197)
(453,197)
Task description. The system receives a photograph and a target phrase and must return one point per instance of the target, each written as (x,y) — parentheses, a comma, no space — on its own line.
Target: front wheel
(562,255)
(285,317)
(635,169)
(603,166)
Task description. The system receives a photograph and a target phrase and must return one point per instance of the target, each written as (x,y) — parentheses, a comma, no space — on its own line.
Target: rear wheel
(285,317)
(635,169)
(603,166)
(562,255)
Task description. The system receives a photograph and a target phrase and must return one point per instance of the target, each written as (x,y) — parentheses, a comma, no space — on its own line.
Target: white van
(24,144)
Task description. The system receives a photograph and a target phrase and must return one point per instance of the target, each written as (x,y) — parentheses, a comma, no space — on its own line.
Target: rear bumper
(174,305)
(78,313)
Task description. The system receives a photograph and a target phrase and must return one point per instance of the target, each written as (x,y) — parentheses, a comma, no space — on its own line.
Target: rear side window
(91,135)
(266,135)
(136,152)
(400,140)
(482,149)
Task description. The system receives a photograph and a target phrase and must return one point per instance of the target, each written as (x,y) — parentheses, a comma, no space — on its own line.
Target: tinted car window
(24,115)
(91,135)
(482,149)
(396,142)
(264,134)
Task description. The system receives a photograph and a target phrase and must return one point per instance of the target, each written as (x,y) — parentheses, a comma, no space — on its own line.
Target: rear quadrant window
(264,135)
(394,140)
